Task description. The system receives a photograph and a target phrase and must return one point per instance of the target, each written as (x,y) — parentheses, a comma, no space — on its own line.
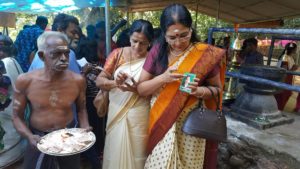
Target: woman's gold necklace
(174,55)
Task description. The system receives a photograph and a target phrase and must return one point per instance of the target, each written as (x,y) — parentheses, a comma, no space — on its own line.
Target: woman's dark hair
(91,32)
(175,13)
(7,46)
(123,39)
(100,24)
(288,49)
(157,32)
(42,21)
(142,26)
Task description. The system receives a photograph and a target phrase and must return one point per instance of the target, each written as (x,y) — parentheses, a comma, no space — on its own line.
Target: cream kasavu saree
(127,125)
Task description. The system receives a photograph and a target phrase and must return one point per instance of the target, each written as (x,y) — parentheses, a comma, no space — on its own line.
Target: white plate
(66,141)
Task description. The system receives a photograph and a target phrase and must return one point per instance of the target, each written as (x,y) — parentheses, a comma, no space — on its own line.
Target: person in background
(100,29)
(26,41)
(78,36)
(5,83)
(101,38)
(286,60)
(176,53)
(88,50)
(11,66)
(213,41)
(91,32)
(10,70)
(66,24)
(249,53)
(7,47)
(127,121)
(123,39)
(4,99)
(101,41)
(50,92)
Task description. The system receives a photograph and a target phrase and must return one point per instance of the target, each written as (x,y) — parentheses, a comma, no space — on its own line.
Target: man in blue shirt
(26,41)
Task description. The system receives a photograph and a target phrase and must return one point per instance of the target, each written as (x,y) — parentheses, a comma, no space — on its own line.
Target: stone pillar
(256,105)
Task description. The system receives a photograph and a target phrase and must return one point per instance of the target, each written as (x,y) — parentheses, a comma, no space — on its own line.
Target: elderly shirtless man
(50,92)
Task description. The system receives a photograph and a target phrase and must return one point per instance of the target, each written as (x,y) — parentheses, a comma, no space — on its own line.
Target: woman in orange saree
(176,53)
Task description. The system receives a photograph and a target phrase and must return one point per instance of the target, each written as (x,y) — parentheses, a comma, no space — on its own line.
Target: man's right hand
(34,139)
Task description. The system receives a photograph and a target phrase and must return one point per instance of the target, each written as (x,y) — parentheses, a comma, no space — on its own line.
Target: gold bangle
(203,92)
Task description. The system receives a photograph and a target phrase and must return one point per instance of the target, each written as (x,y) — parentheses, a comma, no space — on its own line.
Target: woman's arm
(202,91)
(148,84)
(104,82)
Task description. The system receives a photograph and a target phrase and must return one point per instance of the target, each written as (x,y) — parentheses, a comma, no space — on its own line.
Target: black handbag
(206,123)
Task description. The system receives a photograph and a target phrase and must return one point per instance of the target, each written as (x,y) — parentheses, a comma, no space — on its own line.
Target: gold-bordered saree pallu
(168,146)
(127,124)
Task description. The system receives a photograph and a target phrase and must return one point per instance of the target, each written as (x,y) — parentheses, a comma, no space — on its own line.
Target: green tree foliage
(204,22)
(23,19)
(92,15)
(151,16)
(291,23)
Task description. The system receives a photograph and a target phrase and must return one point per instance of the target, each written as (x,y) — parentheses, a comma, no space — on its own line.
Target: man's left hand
(88,128)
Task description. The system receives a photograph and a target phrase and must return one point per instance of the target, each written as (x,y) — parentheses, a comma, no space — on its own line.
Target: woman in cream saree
(127,123)
(127,120)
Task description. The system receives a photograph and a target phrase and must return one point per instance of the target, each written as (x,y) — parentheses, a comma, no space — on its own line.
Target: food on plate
(66,141)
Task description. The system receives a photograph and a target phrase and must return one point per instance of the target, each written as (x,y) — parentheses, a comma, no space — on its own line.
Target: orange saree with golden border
(171,102)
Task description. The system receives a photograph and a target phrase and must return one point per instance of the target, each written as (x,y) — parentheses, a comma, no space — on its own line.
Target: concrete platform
(283,140)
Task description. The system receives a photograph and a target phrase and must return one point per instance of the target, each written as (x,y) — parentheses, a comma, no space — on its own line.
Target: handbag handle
(217,101)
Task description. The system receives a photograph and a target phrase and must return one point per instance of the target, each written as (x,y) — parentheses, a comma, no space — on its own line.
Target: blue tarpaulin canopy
(36,6)
(236,11)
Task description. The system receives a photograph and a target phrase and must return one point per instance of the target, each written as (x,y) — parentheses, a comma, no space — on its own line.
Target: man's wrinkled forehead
(55,49)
